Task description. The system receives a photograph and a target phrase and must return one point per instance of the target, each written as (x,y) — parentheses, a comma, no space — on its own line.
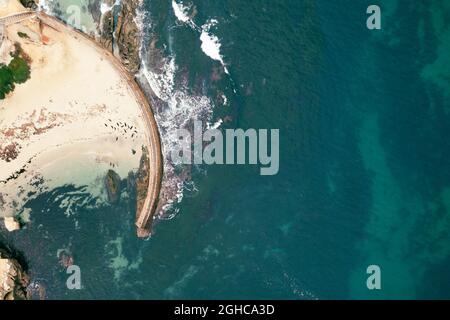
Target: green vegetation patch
(23,35)
(16,72)
(20,69)
(6,81)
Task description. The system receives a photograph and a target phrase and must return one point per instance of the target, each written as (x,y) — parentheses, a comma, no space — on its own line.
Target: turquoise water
(364,177)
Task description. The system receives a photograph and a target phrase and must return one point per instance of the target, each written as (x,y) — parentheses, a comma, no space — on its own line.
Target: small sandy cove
(74,119)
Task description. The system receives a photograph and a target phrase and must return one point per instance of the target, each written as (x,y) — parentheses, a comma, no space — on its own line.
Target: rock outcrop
(65,258)
(29,4)
(106,25)
(112,183)
(122,37)
(12,224)
(13,279)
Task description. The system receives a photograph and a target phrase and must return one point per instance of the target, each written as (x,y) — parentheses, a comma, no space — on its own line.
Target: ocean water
(364,119)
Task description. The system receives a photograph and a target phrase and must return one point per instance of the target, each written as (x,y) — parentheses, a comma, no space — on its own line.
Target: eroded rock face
(13,279)
(123,38)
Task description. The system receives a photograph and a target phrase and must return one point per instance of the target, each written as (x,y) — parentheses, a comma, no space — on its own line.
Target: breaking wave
(179,109)
(104,7)
(181,11)
(175,107)
(210,43)
(46,5)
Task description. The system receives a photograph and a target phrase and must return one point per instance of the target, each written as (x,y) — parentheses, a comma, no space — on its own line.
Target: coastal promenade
(17,17)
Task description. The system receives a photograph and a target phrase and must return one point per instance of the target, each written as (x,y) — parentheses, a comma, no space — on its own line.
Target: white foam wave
(104,7)
(46,6)
(181,11)
(210,43)
(216,125)
(161,83)
(139,19)
(225,100)
(180,109)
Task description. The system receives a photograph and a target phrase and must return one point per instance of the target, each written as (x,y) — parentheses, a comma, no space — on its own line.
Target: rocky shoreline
(14,280)
(123,37)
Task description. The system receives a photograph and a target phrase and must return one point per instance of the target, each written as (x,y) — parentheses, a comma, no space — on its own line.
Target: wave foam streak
(210,43)
(175,109)
(174,103)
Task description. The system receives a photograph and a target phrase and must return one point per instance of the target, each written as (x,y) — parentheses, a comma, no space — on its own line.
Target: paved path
(17,17)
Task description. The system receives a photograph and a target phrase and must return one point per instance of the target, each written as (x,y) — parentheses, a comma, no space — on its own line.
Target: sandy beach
(79,115)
